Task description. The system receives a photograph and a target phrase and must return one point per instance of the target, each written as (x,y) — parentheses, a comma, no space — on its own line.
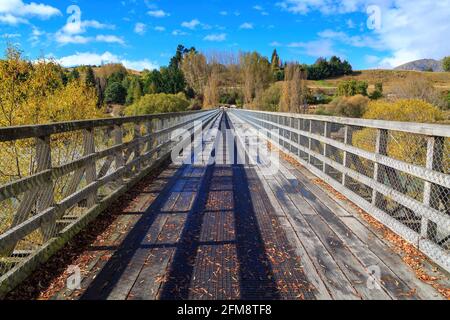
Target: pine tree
(90,77)
(275,61)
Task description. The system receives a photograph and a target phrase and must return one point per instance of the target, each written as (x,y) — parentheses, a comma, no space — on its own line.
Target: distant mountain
(422,65)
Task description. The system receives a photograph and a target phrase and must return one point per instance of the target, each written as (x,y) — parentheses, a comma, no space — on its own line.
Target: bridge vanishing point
(358,209)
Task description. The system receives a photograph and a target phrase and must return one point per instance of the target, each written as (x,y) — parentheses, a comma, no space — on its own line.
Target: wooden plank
(373,242)
(393,284)
(332,276)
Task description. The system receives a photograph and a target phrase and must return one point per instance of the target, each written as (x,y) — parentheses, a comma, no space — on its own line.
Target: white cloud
(10,35)
(82,26)
(64,39)
(409,31)
(350,24)
(109,39)
(11,20)
(14,12)
(160,29)
(275,44)
(355,41)
(88,58)
(216,37)
(246,25)
(140,28)
(191,24)
(158,13)
(371,59)
(324,6)
(72,33)
(179,33)
(317,48)
(261,10)
(223,13)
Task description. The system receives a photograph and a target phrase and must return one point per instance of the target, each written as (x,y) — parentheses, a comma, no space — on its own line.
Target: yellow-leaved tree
(402,146)
(37,93)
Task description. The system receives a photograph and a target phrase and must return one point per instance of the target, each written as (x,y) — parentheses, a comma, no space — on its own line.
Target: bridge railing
(398,172)
(56,178)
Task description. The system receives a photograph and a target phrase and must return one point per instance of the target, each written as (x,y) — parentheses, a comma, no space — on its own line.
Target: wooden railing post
(309,142)
(150,141)
(137,149)
(348,138)
(327,134)
(434,161)
(91,171)
(378,170)
(46,197)
(118,140)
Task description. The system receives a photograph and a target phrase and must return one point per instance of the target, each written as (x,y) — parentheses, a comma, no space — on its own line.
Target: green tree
(276,66)
(115,93)
(378,92)
(74,74)
(134,91)
(158,103)
(90,77)
(446,64)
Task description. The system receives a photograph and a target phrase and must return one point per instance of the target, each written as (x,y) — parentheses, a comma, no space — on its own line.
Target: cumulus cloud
(317,48)
(89,58)
(82,26)
(191,24)
(246,25)
(14,12)
(158,13)
(408,31)
(179,33)
(109,39)
(159,28)
(140,28)
(73,33)
(216,37)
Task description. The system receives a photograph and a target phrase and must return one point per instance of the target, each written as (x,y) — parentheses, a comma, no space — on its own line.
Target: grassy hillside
(389,78)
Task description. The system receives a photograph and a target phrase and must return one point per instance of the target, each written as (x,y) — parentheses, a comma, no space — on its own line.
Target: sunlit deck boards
(232,232)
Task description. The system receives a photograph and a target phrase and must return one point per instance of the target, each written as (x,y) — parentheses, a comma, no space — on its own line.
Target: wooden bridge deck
(232,232)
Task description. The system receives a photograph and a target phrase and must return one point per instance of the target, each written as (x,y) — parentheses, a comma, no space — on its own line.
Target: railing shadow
(107,279)
(256,280)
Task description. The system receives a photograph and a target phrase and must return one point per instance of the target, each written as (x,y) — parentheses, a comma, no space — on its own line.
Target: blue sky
(144,33)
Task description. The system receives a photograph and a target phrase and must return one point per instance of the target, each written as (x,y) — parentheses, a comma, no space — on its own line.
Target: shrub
(353,107)
(410,110)
(446,64)
(402,146)
(269,99)
(158,103)
(352,88)
(378,92)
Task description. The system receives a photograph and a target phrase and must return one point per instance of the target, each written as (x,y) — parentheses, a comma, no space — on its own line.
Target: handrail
(430,129)
(105,169)
(31,131)
(410,196)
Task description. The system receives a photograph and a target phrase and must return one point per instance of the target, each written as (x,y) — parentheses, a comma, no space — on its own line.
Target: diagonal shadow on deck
(110,274)
(256,279)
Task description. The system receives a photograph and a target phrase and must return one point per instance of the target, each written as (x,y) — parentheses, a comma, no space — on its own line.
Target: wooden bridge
(356,209)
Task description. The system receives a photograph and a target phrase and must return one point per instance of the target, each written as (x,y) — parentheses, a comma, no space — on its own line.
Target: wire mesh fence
(398,172)
(52,176)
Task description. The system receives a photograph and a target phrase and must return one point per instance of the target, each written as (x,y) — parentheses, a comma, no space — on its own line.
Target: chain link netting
(19,160)
(400,173)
